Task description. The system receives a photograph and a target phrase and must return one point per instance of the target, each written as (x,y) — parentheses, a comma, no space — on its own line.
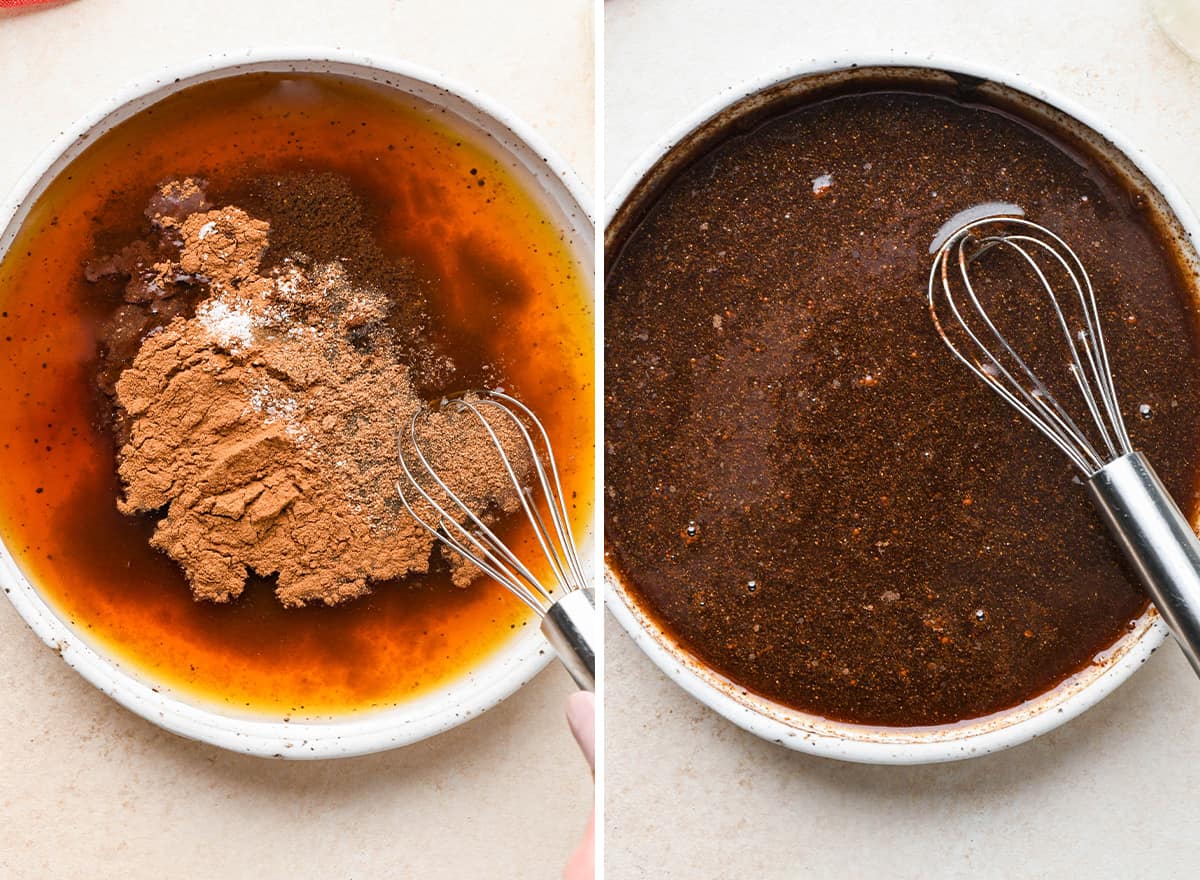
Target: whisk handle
(1158,541)
(570,627)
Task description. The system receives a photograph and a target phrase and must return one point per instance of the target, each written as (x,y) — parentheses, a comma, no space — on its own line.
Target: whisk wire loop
(1036,395)
(478,544)
(522,493)
(463,529)
(559,547)
(1047,403)
(558,509)
(1028,403)
(991,356)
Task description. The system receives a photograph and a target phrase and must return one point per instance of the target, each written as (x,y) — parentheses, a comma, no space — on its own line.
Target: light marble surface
(1115,793)
(90,790)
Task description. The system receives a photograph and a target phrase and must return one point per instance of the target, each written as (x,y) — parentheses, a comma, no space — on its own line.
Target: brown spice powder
(265,426)
(222,246)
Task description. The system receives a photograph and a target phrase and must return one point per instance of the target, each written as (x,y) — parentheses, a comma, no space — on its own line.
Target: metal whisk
(567,610)
(1147,524)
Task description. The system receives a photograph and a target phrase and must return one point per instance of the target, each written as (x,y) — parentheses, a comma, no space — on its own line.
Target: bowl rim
(508,667)
(862,743)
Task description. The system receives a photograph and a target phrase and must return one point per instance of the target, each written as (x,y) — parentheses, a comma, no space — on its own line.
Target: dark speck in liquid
(920,555)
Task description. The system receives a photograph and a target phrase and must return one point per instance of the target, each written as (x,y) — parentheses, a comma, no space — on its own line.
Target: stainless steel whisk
(1146,523)
(568,613)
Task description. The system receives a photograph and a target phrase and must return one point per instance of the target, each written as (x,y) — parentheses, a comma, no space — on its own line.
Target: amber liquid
(504,290)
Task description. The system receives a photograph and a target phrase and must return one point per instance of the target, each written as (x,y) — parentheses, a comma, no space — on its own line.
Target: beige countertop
(90,790)
(1115,793)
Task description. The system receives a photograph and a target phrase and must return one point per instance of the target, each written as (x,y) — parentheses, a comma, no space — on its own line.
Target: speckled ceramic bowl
(562,196)
(741,106)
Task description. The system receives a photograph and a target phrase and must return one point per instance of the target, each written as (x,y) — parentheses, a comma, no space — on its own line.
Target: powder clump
(222,246)
(264,425)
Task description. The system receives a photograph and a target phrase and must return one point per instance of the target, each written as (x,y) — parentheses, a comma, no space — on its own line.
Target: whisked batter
(802,487)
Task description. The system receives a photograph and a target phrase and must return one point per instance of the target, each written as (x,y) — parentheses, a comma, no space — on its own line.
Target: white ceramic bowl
(771,720)
(563,198)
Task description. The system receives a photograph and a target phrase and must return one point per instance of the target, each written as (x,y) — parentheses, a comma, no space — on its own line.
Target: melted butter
(491,258)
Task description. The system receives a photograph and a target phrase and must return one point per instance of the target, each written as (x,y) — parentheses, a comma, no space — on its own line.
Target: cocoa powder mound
(222,246)
(265,426)
(319,214)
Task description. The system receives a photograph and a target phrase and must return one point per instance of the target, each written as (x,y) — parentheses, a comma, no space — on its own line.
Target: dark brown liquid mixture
(804,488)
(433,202)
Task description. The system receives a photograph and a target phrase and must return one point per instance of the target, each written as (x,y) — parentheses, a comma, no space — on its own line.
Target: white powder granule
(231,328)
(262,400)
(289,283)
